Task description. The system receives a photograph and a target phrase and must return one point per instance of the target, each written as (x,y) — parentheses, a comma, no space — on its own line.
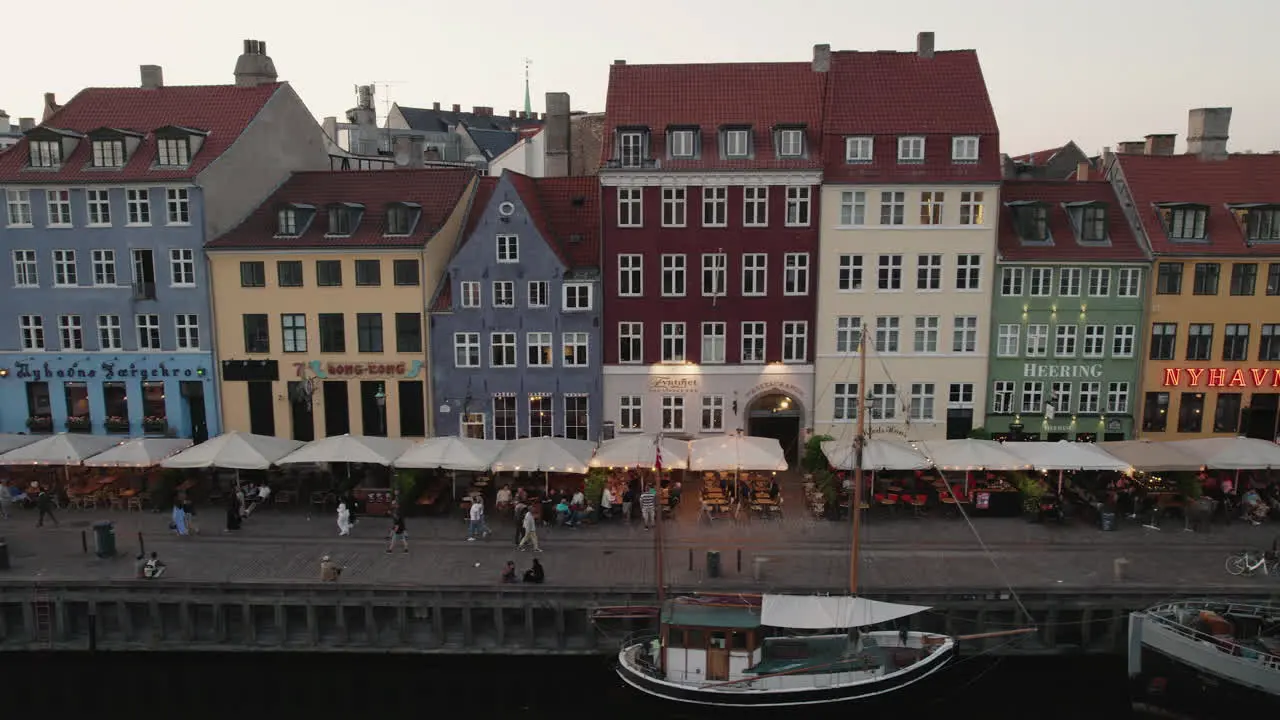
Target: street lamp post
(380,399)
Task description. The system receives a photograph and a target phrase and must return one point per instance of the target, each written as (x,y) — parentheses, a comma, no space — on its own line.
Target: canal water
(280,685)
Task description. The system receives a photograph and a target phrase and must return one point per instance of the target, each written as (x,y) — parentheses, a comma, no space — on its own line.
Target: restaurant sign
(1221,377)
(325,370)
(776,386)
(1039,370)
(670,384)
(86,370)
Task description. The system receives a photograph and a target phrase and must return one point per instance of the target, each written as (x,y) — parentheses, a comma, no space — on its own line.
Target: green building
(1066,315)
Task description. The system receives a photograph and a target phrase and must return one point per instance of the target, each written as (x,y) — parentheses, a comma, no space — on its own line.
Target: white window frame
(545,405)
(960,395)
(103,265)
(539,350)
(1032,396)
(70,332)
(1008,338)
(795,341)
(538,294)
(65,270)
(795,274)
(848,334)
(790,143)
(26,269)
(630,413)
(799,206)
(673,407)
(1095,341)
(911,149)
(186,327)
(929,268)
(1099,282)
(1059,397)
(631,275)
(893,208)
(737,143)
(293,332)
(882,403)
(754,342)
(853,208)
(507,248)
(1013,281)
(755,206)
(675,207)
(108,153)
(466,349)
(631,148)
(1122,337)
(859,149)
(712,413)
(1037,340)
(1090,398)
(682,144)
(147,329)
(755,274)
(632,334)
(1002,397)
(715,206)
(471,293)
(924,338)
(849,273)
(31,333)
(1070,282)
(922,402)
(506,342)
(675,269)
(18,208)
(674,342)
(575,349)
(58,207)
(933,205)
(714,343)
(177,207)
(97,203)
(972,208)
(888,337)
(138,207)
(968,272)
(1041,278)
(1118,398)
(182,264)
(964,148)
(1066,340)
(630,207)
(715,274)
(964,334)
(844,402)
(173,152)
(576,297)
(1129,279)
(509,296)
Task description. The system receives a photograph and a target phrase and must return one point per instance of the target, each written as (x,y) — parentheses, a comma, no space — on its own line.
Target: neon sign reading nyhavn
(1221,377)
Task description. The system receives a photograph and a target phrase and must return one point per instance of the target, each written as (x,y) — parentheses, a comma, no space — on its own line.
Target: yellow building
(1212,328)
(319,300)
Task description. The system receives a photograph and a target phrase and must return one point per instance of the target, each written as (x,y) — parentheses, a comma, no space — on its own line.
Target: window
(893,208)
(1262,224)
(502,349)
(673,275)
(790,142)
(576,296)
(1155,412)
(46,153)
(681,143)
(631,343)
(715,206)
(188,331)
(1008,338)
(58,203)
(753,273)
(928,272)
(844,398)
(1041,282)
(672,342)
(148,327)
(630,275)
(172,151)
(960,395)
(1244,278)
(673,412)
(1037,340)
(293,328)
(964,334)
(504,417)
(1059,399)
(288,273)
(31,328)
(849,273)
(736,143)
(713,342)
(883,402)
(1002,397)
(911,149)
(576,349)
(630,413)
(538,351)
(333,333)
(98,203)
(755,206)
(798,206)
(753,337)
(541,416)
(538,292)
(1090,397)
(1093,223)
(714,270)
(921,401)
(1191,412)
(1269,342)
(1065,341)
(968,272)
(1032,397)
(1011,280)
(504,294)
(972,210)
(287,222)
(104,267)
(926,334)
(630,207)
(887,329)
(369,332)
(795,278)
(1118,398)
(466,349)
(1199,341)
(858,149)
(1226,416)
(1235,343)
(673,207)
(1169,278)
(889,275)
(470,293)
(931,204)
(404,273)
(1205,279)
(70,332)
(1129,283)
(1164,337)
(1122,337)
(508,249)
(19,206)
(795,341)
(179,206)
(964,148)
(1184,222)
(1069,282)
(631,147)
(408,332)
(1099,282)
(253,273)
(400,219)
(576,423)
(1095,341)
(853,208)
(329,273)
(108,153)
(25,272)
(1032,222)
(64,268)
(1273,279)
(342,220)
(848,334)
(712,413)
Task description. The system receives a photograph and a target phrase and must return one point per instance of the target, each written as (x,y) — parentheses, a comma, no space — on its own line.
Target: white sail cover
(816,612)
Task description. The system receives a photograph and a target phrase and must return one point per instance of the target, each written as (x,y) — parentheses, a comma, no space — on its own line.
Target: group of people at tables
(920,491)
(723,492)
(1245,497)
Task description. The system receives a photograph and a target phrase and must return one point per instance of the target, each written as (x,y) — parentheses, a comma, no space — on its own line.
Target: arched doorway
(779,416)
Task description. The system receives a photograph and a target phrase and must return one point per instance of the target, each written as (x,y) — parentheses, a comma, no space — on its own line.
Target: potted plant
(116,423)
(814,459)
(1032,490)
(825,481)
(79,423)
(154,424)
(596,478)
(40,423)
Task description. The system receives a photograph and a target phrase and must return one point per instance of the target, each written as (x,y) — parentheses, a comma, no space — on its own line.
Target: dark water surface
(407,687)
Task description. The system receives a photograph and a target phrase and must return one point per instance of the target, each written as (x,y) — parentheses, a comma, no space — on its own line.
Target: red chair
(918,502)
(889,501)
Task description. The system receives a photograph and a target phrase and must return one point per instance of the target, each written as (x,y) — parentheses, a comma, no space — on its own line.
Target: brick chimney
(152,76)
(1082,171)
(477,110)
(1161,144)
(821,58)
(511,114)
(1131,147)
(51,106)
(556,152)
(1208,132)
(924,45)
(619,62)
(457,107)
(25,124)
(254,66)
(435,106)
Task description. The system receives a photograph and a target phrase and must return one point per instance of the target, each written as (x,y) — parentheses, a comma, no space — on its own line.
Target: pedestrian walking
(189,515)
(6,498)
(478,527)
(530,525)
(344,519)
(44,503)
(649,507)
(398,533)
(178,518)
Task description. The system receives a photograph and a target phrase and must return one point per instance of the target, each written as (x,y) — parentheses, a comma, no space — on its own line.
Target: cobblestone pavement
(899,552)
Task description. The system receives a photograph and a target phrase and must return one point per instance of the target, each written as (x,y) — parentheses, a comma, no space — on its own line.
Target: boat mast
(855,501)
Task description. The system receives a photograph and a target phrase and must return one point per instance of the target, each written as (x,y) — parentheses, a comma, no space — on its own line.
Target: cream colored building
(915,266)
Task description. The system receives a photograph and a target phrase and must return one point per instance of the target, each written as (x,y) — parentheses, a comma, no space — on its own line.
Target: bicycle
(1248,563)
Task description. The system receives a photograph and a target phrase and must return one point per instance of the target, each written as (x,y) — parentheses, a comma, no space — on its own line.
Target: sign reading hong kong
(1221,377)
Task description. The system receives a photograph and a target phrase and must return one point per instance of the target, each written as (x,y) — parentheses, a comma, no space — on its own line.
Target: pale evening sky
(1097,71)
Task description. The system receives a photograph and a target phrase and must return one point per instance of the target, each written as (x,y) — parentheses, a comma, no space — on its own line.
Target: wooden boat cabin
(709,642)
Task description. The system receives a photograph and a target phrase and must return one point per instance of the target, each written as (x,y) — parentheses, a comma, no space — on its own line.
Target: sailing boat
(740,651)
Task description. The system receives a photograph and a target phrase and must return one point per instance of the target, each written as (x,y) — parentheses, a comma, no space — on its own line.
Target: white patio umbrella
(349,449)
(640,451)
(234,451)
(139,452)
(1148,456)
(879,454)
(60,449)
(971,454)
(1063,455)
(736,452)
(451,453)
(1231,453)
(13,441)
(545,454)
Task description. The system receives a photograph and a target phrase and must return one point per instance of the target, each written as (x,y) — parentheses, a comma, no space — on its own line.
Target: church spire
(528,104)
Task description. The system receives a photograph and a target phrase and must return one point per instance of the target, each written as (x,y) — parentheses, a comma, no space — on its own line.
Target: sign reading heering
(1221,377)
(1061,371)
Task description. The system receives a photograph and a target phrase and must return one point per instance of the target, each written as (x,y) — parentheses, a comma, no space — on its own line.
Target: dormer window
(633,147)
(789,141)
(111,147)
(1031,219)
(1183,221)
(173,151)
(858,149)
(287,224)
(911,149)
(108,153)
(46,153)
(1261,222)
(1090,220)
(682,142)
(401,217)
(343,219)
(964,148)
(735,142)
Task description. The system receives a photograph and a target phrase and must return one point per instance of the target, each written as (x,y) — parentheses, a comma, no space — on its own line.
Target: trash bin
(4,554)
(1107,519)
(713,563)
(104,538)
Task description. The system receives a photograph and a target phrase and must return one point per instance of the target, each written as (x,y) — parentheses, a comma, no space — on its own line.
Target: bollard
(690,559)
(84,541)
(1120,569)
(739,561)
(757,567)
(142,547)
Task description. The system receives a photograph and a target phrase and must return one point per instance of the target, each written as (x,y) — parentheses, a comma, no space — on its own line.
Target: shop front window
(77,396)
(115,399)
(154,417)
(39,411)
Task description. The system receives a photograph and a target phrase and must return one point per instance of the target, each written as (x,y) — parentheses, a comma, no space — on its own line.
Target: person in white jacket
(478,527)
(530,532)
(344,519)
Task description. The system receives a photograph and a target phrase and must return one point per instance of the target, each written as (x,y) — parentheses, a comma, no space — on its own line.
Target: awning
(815,612)
(879,454)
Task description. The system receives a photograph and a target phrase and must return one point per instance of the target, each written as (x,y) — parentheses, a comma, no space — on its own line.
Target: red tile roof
(223,111)
(710,95)
(1039,157)
(479,203)
(566,211)
(437,190)
(1123,246)
(1240,179)
(891,94)
(443,301)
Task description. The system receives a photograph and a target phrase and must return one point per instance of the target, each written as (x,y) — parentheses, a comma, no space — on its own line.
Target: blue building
(106,325)
(515,325)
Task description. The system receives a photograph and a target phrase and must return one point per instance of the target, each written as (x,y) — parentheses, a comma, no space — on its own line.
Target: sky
(1096,71)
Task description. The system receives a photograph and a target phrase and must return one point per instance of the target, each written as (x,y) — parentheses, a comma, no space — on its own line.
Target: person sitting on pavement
(535,573)
(153,568)
(509,572)
(329,570)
